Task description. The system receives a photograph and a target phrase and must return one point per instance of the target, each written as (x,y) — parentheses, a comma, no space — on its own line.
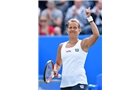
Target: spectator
(77,11)
(54,16)
(44,28)
(86,3)
(91,3)
(63,5)
(96,13)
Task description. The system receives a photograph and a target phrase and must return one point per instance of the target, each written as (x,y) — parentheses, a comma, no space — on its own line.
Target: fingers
(55,73)
(87,10)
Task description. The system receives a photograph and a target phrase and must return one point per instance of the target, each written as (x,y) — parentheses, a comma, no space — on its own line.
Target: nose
(72,29)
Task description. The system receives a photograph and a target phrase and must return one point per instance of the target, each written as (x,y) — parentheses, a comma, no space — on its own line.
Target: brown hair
(47,25)
(74,20)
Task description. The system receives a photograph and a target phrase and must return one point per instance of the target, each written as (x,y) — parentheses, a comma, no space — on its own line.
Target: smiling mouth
(72,32)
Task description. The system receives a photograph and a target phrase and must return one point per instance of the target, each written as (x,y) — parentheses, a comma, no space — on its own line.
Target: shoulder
(61,44)
(83,7)
(71,8)
(93,10)
(44,12)
(83,42)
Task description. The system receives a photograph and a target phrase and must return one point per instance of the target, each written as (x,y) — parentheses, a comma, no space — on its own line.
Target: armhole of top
(63,44)
(81,46)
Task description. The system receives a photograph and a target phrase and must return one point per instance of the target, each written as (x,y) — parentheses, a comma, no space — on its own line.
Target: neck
(44,26)
(73,40)
(51,9)
(77,7)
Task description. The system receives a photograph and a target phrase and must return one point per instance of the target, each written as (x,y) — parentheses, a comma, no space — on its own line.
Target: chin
(73,36)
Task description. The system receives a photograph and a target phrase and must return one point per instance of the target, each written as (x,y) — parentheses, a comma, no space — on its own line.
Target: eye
(75,27)
(70,27)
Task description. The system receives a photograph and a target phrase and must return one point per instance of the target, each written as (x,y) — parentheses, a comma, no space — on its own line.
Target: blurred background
(53,16)
(52,19)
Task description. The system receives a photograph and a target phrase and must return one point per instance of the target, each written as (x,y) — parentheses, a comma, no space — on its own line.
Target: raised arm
(88,42)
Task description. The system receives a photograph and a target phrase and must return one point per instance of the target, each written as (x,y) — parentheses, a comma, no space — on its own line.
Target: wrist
(90,19)
(55,70)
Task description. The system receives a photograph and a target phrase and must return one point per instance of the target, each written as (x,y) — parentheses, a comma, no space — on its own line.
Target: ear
(80,30)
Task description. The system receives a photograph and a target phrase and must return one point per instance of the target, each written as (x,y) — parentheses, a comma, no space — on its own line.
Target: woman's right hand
(55,73)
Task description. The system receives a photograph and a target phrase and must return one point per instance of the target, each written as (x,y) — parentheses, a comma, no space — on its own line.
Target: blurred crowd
(53,16)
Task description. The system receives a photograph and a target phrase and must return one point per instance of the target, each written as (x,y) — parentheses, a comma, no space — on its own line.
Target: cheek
(40,23)
(43,23)
(79,31)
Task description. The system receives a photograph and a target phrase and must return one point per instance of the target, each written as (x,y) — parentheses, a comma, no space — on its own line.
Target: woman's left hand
(88,12)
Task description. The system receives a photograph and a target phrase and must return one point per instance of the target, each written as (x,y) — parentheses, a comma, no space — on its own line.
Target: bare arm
(58,59)
(88,42)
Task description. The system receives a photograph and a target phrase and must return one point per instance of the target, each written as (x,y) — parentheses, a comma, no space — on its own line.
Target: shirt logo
(76,50)
(81,86)
(68,51)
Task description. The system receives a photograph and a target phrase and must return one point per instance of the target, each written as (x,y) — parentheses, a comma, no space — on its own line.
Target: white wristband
(90,19)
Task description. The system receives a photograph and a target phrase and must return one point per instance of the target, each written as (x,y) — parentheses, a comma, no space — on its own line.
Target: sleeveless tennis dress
(73,71)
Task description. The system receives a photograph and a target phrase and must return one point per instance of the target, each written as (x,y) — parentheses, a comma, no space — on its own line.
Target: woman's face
(73,29)
(43,20)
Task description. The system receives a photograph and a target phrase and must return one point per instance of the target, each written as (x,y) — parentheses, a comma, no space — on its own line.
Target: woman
(44,28)
(72,54)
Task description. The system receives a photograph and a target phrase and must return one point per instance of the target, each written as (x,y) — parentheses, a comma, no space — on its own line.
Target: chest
(71,48)
(69,45)
(74,52)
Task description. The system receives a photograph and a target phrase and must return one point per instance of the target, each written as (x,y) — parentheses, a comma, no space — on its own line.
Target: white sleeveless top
(73,60)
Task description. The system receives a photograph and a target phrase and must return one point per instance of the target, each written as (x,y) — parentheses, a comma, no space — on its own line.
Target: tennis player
(72,55)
